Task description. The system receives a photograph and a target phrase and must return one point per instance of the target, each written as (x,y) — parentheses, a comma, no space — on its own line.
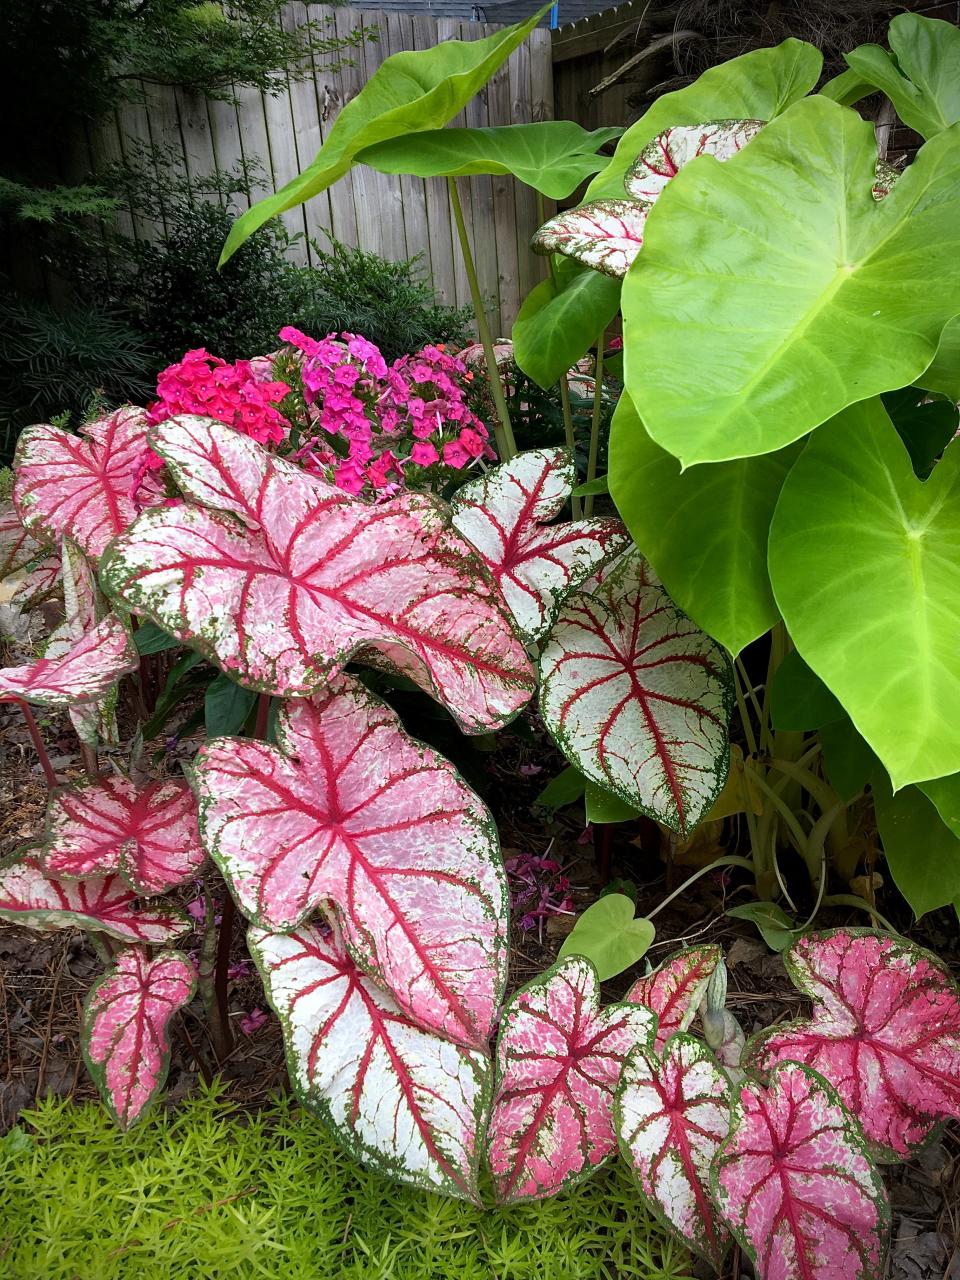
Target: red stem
(34,732)
(263,716)
(603,842)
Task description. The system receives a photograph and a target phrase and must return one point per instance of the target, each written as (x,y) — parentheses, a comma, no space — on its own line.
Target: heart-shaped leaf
(609,935)
(505,516)
(798,697)
(84,607)
(605,235)
(552,156)
(664,157)
(559,321)
(126,1019)
(85,672)
(81,486)
(559,1057)
(637,697)
(307,577)
(796,1185)
(922,850)
(675,990)
(921,74)
(400,1099)
(818,299)
(147,834)
(35,565)
(858,539)
(885,1032)
(671,1115)
(348,809)
(30,897)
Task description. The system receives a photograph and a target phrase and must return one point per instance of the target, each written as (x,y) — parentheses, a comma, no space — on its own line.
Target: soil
(44,978)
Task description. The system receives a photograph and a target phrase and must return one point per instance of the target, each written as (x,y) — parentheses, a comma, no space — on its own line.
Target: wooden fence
(396,217)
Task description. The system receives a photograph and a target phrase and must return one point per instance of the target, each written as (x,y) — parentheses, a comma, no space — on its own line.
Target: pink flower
(471,442)
(253,1021)
(424,454)
(350,477)
(455,455)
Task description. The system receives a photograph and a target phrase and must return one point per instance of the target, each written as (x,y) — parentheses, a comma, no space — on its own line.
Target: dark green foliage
(209,1191)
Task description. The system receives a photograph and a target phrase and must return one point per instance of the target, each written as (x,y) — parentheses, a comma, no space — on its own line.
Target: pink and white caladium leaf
(638,697)
(796,1185)
(605,235)
(33,566)
(148,834)
(287,578)
(82,486)
(85,672)
(664,157)
(348,809)
(504,515)
(885,1032)
(675,990)
(126,1022)
(31,897)
(671,1113)
(83,607)
(402,1100)
(559,1057)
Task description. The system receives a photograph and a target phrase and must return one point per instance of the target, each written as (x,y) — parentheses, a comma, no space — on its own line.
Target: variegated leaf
(348,809)
(83,607)
(638,697)
(675,990)
(148,834)
(31,897)
(32,567)
(559,1058)
(85,672)
(400,1099)
(664,157)
(606,235)
(126,1021)
(504,515)
(671,1115)
(81,486)
(796,1185)
(885,1032)
(307,577)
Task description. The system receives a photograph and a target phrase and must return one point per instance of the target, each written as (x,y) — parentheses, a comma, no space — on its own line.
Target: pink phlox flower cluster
(538,889)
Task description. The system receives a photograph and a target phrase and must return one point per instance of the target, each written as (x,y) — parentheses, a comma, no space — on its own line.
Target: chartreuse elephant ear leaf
(749,321)
(411,92)
(862,561)
(921,73)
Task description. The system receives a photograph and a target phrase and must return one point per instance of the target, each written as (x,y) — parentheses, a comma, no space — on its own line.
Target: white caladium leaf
(672,1113)
(148,834)
(126,1020)
(31,897)
(504,515)
(796,1185)
(401,1100)
(559,1057)
(348,809)
(307,577)
(885,1032)
(664,157)
(81,486)
(606,235)
(675,990)
(638,697)
(86,671)
(33,566)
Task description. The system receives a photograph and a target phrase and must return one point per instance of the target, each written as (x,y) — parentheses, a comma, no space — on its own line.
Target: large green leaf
(943,374)
(799,699)
(558,323)
(863,561)
(704,531)
(848,762)
(409,93)
(755,86)
(923,854)
(553,156)
(945,794)
(774,290)
(921,77)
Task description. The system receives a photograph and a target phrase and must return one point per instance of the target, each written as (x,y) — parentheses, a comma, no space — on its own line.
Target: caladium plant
(675,989)
(87,671)
(125,1028)
(34,565)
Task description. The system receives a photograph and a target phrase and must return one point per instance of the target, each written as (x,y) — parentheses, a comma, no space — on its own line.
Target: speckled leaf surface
(675,990)
(82,485)
(885,1032)
(85,672)
(505,515)
(84,607)
(126,1019)
(672,1113)
(796,1185)
(605,235)
(35,564)
(559,1057)
(348,808)
(285,578)
(31,897)
(638,697)
(664,157)
(148,834)
(401,1100)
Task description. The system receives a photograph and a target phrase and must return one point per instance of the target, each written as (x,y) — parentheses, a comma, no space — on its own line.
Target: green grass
(207,1191)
